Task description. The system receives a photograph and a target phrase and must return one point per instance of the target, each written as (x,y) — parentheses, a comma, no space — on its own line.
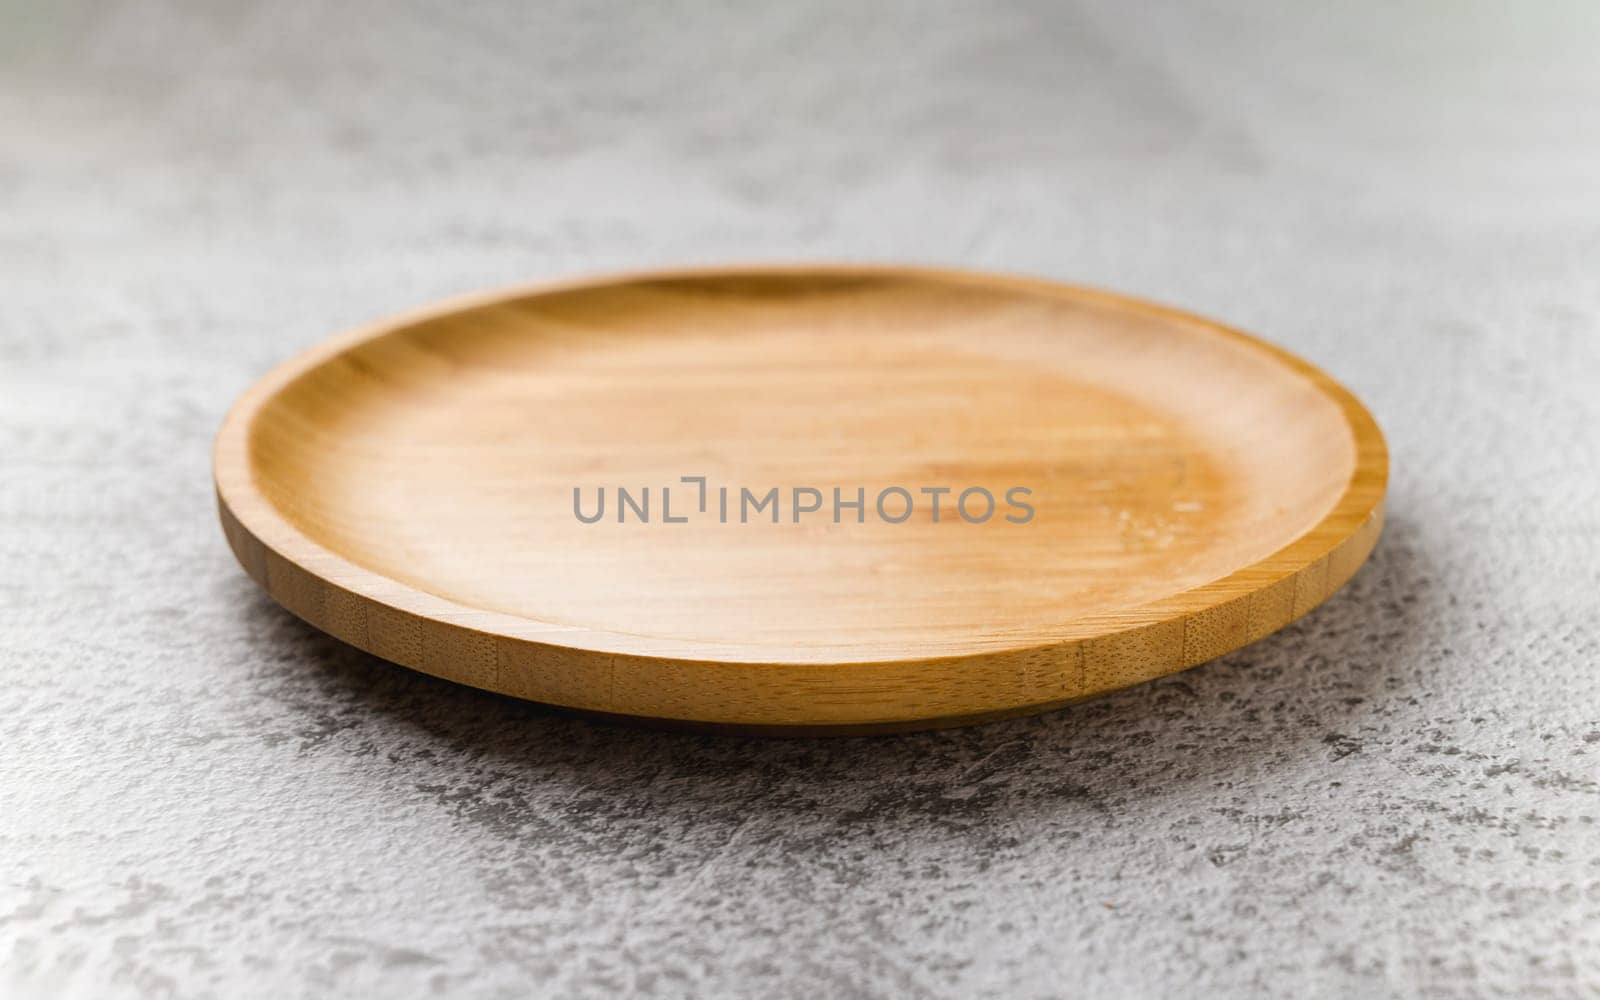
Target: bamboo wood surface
(408,488)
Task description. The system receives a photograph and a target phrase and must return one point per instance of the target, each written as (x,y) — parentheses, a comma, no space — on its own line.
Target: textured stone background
(200,797)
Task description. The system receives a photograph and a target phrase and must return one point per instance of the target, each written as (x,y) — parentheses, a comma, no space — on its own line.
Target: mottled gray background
(201,797)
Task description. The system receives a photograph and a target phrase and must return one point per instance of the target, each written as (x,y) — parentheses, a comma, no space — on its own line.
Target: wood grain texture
(408,489)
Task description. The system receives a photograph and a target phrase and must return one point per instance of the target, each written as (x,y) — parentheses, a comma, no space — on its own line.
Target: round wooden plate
(834,497)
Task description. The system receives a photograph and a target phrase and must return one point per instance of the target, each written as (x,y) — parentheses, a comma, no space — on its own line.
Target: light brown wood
(409,489)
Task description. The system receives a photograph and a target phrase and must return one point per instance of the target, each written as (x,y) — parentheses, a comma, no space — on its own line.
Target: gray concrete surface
(200,797)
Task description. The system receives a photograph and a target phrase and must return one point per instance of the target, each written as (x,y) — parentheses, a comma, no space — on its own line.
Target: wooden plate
(1160,490)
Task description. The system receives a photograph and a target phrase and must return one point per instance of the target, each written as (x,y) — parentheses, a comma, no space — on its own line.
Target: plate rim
(501,652)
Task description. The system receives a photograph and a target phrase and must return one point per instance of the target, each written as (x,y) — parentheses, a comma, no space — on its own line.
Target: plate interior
(1159,454)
